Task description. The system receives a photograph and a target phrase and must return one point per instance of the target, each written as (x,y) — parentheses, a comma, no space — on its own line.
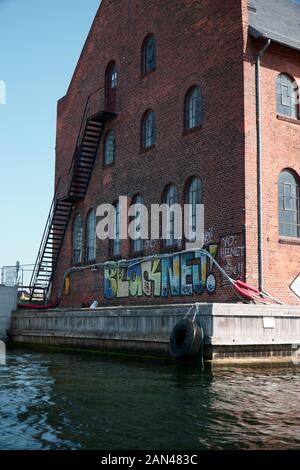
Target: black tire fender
(186,340)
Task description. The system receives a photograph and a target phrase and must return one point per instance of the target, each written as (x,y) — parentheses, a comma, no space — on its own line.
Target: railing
(18,276)
(44,240)
(12,275)
(96,103)
(24,295)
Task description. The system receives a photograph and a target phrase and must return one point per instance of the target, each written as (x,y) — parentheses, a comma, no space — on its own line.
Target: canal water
(55,400)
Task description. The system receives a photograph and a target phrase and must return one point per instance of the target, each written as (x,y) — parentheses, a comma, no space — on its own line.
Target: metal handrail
(86,116)
(63,187)
(44,237)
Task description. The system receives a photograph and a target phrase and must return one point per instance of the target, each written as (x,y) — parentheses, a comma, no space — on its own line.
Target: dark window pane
(194,197)
(149,55)
(288,204)
(193,108)
(77,239)
(116,242)
(113,77)
(138,244)
(171,198)
(149,130)
(110,148)
(287,96)
(91,236)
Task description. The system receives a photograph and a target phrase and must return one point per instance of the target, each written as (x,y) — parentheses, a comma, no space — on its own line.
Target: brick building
(169,101)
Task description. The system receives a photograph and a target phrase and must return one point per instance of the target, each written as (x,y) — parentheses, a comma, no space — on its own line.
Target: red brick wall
(198,42)
(280,150)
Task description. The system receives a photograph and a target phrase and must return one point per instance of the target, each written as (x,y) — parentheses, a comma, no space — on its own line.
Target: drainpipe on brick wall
(259,167)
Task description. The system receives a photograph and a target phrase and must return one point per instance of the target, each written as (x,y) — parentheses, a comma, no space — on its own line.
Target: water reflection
(83,401)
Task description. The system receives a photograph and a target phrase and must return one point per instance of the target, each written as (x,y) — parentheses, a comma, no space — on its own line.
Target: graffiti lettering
(178,275)
(232,256)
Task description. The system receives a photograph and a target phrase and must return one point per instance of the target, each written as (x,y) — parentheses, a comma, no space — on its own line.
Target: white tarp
(295,286)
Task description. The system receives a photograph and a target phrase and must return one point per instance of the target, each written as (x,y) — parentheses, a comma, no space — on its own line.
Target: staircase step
(93,123)
(59,215)
(59,220)
(85,165)
(94,134)
(86,154)
(56,235)
(84,158)
(58,227)
(82,178)
(61,210)
(85,168)
(78,186)
(77,195)
(89,146)
(90,138)
(85,171)
(79,183)
(83,174)
(62,205)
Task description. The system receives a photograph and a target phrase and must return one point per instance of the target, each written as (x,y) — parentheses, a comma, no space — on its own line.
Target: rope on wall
(245,292)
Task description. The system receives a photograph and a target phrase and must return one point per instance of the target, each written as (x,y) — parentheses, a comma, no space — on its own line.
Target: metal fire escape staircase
(69,189)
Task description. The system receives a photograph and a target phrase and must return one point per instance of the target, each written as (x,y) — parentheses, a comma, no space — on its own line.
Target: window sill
(114,258)
(289,241)
(137,254)
(109,165)
(78,264)
(146,74)
(280,117)
(146,150)
(169,249)
(191,131)
(89,263)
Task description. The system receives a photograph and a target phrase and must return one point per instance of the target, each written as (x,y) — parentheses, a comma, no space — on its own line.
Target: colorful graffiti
(179,275)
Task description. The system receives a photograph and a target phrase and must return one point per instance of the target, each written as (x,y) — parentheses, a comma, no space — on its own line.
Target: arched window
(113,77)
(288,204)
(137,244)
(116,245)
(77,239)
(149,54)
(194,197)
(91,236)
(170,198)
(149,130)
(193,108)
(110,148)
(111,83)
(287,96)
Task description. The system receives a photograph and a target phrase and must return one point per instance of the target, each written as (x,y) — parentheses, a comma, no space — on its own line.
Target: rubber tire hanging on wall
(186,340)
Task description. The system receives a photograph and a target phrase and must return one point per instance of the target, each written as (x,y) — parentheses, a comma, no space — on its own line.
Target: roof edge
(255,33)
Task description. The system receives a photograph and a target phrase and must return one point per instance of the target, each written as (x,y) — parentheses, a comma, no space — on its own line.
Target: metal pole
(259,167)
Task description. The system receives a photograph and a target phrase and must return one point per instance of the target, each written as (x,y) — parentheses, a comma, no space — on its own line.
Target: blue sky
(40,43)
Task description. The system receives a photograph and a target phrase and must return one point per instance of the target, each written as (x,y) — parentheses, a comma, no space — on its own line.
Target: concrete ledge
(232,331)
(8,303)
